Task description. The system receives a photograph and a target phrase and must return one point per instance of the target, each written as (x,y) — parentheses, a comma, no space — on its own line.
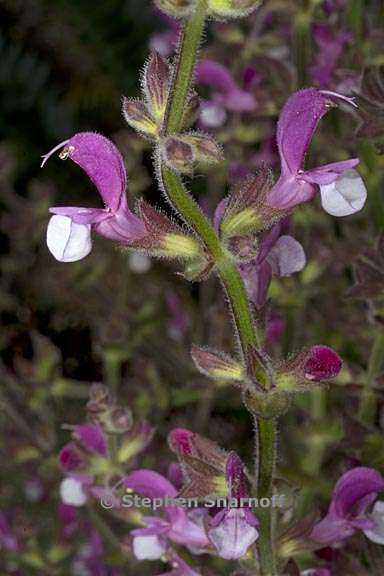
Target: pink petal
(329,172)
(297,124)
(92,438)
(103,164)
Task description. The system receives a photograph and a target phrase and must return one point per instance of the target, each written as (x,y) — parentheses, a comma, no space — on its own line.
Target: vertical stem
(367,408)
(184,65)
(227,271)
(265,457)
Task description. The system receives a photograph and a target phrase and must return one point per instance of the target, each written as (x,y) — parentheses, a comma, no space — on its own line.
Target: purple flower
(347,513)
(69,231)
(228,95)
(330,48)
(76,458)
(92,438)
(233,530)
(178,323)
(73,457)
(279,255)
(7,538)
(176,525)
(68,522)
(274,330)
(342,189)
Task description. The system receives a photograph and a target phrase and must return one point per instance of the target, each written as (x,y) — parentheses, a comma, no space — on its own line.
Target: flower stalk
(233,284)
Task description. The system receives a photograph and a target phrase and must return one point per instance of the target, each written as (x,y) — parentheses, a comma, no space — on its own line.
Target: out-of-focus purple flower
(274,330)
(165,42)
(279,255)
(178,323)
(76,458)
(233,530)
(91,437)
(354,492)
(331,45)
(90,559)
(267,154)
(228,95)
(342,189)
(7,538)
(68,521)
(91,440)
(175,526)
(69,230)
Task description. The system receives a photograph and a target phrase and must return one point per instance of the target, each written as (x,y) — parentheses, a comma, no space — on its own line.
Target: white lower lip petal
(68,241)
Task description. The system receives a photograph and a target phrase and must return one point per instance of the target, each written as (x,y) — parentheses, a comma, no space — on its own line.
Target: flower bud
(322,363)
(117,420)
(203,463)
(175,245)
(245,211)
(241,223)
(223,9)
(217,365)
(182,153)
(314,364)
(138,116)
(156,85)
(99,400)
(178,8)
(178,155)
(164,238)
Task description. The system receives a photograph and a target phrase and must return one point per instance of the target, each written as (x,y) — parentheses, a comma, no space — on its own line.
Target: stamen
(66,152)
(47,156)
(349,99)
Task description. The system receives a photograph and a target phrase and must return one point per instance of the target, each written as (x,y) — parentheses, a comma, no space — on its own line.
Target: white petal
(376,534)
(68,241)
(148,548)
(139,262)
(287,256)
(72,493)
(345,196)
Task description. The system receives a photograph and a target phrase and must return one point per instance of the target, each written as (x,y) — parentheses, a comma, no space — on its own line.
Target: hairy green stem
(367,408)
(226,270)
(185,63)
(265,459)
